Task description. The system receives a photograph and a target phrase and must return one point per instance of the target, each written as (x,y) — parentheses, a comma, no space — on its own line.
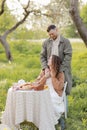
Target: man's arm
(66,63)
(43,56)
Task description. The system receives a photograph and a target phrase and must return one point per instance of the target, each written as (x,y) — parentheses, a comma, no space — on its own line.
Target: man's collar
(61,39)
(55,39)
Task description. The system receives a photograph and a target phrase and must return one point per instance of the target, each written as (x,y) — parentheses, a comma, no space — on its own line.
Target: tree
(58,12)
(3,37)
(75,15)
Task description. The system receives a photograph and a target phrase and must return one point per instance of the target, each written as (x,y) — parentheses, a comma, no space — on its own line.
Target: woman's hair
(56,62)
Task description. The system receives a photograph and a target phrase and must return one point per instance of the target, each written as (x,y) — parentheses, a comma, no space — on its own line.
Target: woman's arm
(39,85)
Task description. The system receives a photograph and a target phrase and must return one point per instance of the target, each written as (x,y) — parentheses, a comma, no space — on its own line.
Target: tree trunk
(2,7)
(6,47)
(74,12)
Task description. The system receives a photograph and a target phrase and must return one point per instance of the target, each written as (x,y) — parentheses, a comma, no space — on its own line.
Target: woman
(56,84)
(54,79)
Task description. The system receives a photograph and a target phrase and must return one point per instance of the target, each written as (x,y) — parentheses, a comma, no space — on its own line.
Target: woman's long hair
(56,62)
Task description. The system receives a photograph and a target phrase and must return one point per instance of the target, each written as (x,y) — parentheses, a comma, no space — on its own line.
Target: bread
(26,87)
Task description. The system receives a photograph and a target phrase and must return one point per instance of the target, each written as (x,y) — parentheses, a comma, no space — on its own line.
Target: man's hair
(51,27)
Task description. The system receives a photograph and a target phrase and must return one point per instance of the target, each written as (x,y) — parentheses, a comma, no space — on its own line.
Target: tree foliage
(83,14)
(6,21)
(70,31)
(58,12)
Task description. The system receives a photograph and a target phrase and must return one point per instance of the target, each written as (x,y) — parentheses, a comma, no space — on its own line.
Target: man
(60,46)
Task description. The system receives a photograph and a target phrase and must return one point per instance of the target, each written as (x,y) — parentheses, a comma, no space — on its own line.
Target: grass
(26,65)
(77,115)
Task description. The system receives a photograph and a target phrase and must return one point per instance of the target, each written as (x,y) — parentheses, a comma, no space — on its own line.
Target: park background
(25,45)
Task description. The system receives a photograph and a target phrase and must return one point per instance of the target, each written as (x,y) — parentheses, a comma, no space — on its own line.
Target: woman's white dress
(58,103)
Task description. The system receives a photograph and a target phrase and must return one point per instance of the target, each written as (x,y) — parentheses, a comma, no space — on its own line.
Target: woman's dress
(58,103)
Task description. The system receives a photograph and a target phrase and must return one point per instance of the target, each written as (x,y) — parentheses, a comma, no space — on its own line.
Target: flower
(5,128)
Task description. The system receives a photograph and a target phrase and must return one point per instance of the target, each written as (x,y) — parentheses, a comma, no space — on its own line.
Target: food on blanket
(45,87)
(26,86)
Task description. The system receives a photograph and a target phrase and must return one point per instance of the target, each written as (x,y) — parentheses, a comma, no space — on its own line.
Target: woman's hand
(47,73)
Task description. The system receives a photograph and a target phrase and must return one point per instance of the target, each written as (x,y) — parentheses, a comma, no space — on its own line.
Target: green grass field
(26,65)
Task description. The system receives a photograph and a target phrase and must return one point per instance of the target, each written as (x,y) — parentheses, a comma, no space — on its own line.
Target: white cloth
(32,106)
(4,127)
(55,50)
(57,101)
